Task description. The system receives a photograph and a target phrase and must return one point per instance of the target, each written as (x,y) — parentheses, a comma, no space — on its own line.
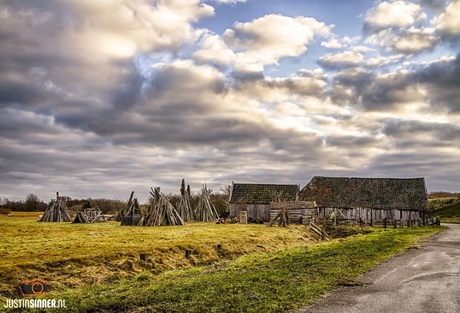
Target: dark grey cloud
(442,80)
(391,92)
(436,5)
(422,134)
(437,168)
(355,80)
(351,141)
(302,83)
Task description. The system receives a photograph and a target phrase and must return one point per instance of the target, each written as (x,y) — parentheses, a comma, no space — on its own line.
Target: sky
(101,98)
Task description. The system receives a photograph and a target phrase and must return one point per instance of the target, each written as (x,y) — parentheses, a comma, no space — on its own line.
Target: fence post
(188,252)
(243,217)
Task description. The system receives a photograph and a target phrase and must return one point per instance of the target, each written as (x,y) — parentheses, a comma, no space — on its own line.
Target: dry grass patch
(72,255)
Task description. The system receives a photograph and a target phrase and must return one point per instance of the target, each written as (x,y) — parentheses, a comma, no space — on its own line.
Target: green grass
(260,282)
(448,213)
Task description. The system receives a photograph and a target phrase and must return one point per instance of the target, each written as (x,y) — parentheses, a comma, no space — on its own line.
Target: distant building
(368,198)
(256,198)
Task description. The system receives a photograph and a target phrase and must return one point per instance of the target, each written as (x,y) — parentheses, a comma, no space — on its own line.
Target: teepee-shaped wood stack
(56,211)
(131,214)
(205,211)
(161,211)
(185,208)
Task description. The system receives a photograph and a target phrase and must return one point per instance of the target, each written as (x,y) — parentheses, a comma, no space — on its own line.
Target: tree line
(31,204)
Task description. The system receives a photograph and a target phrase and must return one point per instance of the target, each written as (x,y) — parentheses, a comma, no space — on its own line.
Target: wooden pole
(188,253)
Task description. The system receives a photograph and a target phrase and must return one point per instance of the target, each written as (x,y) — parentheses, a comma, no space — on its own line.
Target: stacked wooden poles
(185,207)
(282,218)
(161,211)
(56,211)
(205,211)
(89,214)
(131,214)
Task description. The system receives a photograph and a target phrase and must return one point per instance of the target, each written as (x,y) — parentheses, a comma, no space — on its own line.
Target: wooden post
(385,222)
(188,253)
(243,217)
(144,257)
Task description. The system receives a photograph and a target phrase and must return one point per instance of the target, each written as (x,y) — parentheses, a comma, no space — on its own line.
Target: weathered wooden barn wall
(256,211)
(298,211)
(371,214)
(373,199)
(256,198)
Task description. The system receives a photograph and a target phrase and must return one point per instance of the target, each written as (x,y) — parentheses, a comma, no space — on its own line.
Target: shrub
(5,211)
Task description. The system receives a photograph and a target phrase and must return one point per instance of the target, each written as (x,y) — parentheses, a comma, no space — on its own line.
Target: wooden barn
(368,199)
(256,198)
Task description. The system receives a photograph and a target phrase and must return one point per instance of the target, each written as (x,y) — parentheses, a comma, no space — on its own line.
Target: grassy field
(96,268)
(268,282)
(73,255)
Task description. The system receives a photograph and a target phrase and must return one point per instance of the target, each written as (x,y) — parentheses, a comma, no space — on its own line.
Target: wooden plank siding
(297,210)
(256,198)
(370,199)
(371,214)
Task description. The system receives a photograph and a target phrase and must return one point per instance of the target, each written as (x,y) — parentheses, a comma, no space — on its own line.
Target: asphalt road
(418,280)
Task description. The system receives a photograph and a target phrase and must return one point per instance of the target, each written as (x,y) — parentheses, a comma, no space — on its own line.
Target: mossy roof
(263,193)
(377,193)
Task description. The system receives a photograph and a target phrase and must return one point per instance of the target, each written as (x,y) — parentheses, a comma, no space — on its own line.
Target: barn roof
(263,193)
(378,193)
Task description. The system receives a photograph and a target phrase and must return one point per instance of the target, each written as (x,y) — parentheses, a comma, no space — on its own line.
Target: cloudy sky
(98,98)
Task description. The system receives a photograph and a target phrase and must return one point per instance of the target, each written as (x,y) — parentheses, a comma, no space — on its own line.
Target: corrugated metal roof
(263,193)
(378,193)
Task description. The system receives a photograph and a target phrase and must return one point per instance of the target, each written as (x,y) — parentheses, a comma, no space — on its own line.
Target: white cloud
(345,59)
(332,44)
(348,40)
(381,61)
(408,41)
(414,41)
(267,39)
(229,1)
(361,49)
(214,50)
(119,28)
(449,22)
(394,14)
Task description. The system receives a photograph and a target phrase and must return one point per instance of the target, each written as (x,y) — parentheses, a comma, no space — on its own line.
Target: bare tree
(32,202)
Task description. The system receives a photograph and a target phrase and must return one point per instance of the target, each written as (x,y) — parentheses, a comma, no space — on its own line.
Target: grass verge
(269,282)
